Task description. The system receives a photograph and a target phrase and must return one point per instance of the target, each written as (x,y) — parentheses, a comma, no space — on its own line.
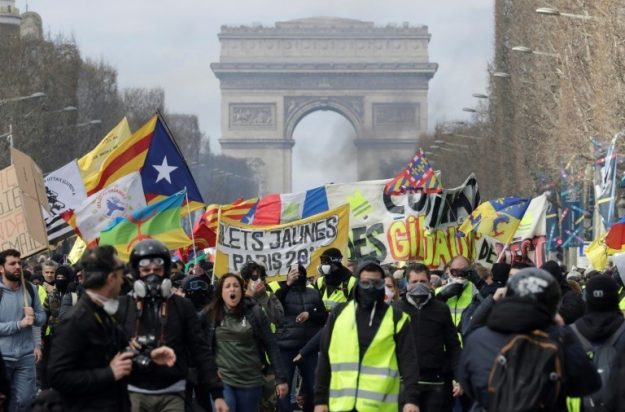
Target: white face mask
(388,294)
(325,269)
(109,305)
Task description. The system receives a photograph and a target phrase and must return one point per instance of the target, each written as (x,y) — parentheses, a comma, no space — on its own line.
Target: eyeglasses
(327,260)
(147,261)
(368,284)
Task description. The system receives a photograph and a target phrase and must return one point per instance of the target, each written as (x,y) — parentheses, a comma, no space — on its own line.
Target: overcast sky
(172,43)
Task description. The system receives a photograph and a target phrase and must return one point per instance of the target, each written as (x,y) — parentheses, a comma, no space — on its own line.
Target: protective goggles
(326,260)
(368,284)
(147,261)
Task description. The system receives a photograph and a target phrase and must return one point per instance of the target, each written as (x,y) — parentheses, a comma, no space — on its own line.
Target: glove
(450,290)
(474,278)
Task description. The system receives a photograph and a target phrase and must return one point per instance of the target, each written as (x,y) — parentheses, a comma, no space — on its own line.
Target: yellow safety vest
(338,295)
(370,385)
(273,286)
(458,304)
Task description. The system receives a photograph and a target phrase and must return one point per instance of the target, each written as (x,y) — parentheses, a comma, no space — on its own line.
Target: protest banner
(21,195)
(279,247)
(413,226)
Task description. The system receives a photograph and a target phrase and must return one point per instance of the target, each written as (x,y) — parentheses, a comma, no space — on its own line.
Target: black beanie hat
(602,294)
(333,253)
(501,272)
(554,269)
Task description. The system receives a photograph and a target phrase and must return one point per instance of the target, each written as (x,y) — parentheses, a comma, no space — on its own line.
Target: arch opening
(324,150)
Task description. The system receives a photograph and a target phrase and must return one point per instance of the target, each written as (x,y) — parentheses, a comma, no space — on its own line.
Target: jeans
(433,397)
(21,374)
(242,399)
(306,367)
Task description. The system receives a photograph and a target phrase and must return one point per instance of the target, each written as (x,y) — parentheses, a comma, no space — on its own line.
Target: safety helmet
(536,284)
(150,249)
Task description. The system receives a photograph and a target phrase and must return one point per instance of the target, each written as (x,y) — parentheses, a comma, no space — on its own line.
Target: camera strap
(162,319)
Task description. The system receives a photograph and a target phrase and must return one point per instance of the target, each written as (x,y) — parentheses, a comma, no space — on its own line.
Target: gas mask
(153,287)
(418,294)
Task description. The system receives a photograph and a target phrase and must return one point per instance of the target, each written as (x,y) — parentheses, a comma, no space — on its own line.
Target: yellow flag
(90,163)
(597,253)
(77,250)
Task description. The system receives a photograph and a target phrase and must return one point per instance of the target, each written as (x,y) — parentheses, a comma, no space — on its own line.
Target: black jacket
(513,316)
(406,359)
(436,339)
(83,346)
(295,300)
(183,334)
(266,340)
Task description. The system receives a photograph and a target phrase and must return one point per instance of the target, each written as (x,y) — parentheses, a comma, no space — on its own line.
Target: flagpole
(186,196)
(216,241)
(505,247)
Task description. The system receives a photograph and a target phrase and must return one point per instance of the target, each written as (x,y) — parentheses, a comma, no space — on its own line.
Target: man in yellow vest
(366,348)
(335,283)
(458,293)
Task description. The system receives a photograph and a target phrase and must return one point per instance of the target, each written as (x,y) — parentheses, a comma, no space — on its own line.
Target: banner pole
(216,242)
(186,196)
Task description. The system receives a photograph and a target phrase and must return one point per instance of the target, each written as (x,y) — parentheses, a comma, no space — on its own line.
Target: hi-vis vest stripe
(338,296)
(370,385)
(458,304)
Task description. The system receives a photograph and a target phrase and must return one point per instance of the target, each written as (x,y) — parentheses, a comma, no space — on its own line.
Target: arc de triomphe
(271,77)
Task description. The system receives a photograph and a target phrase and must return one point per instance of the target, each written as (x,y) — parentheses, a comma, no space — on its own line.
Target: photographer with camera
(88,359)
(154,316)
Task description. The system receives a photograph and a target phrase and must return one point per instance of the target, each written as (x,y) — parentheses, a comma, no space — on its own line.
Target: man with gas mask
(436,341)
(335,283)
(89,359)
(458,293)
(155,317)
(367,379)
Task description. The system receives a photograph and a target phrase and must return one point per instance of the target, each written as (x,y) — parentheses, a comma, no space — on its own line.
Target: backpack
(604,358)
(526,375)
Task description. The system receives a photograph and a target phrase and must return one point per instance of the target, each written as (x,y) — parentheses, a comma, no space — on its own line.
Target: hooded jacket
(16,342)
(435,337)
(517,315)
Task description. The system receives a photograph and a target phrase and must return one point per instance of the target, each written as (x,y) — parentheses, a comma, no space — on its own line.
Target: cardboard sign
(21,222)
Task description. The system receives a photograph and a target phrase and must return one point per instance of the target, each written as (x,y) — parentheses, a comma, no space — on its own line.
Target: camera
(141,357)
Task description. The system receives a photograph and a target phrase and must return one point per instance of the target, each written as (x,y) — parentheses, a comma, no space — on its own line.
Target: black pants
(435,397)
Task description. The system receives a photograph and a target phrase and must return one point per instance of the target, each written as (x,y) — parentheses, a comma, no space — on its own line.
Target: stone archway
(271,77)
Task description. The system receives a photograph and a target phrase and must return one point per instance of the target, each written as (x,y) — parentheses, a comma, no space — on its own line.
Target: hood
(517,314)
(619,262)
(599,326)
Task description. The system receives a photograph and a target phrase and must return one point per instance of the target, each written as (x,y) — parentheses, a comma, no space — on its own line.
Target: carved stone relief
(252,115)
(395,116)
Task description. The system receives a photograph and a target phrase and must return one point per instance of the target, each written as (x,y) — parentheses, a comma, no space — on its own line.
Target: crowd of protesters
(143,335)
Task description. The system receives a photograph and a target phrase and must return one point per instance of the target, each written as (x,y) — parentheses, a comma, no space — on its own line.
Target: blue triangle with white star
(165,172)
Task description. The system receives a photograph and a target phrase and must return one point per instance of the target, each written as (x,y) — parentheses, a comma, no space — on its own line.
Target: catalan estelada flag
(205,230)
(417,176)
(160,221)
(151,151)
(498,218)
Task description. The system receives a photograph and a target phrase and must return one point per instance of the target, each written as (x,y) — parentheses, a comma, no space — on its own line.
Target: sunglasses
(368,284)
(147,261)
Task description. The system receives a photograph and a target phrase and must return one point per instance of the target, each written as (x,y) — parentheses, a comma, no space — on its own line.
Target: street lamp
(502,75)
(527,50)
(469,110)
(480,95)
(66,109)
(17,99)
(550,11)
(88,123)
